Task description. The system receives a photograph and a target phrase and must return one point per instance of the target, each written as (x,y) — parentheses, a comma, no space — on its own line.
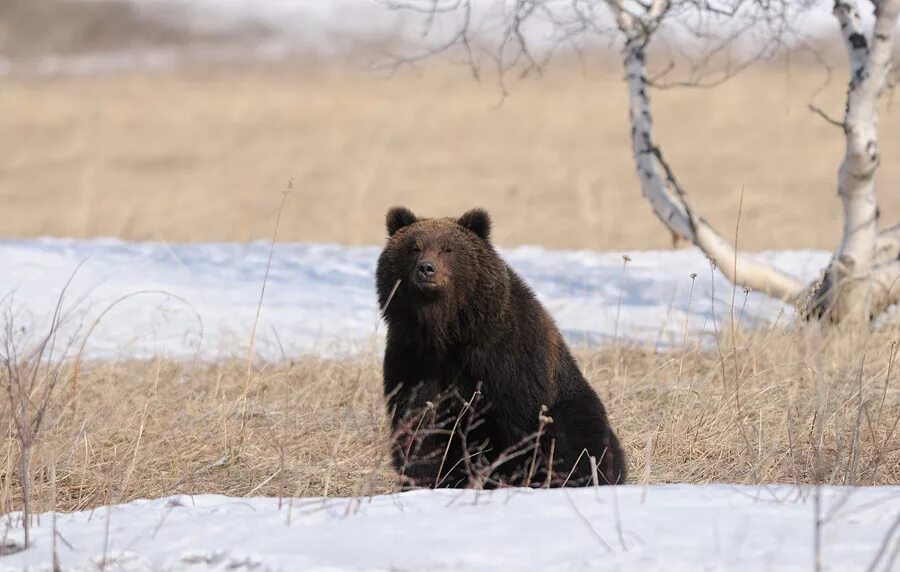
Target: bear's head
(441,273)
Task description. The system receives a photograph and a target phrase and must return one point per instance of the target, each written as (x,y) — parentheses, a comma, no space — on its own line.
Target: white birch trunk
(854,289)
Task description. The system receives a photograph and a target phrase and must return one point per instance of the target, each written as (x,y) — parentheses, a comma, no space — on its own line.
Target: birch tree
(861,280)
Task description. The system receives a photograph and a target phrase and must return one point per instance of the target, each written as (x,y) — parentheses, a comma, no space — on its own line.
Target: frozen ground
(662,528)
(182,300)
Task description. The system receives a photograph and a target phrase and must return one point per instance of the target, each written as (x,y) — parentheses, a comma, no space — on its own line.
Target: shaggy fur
(480,384)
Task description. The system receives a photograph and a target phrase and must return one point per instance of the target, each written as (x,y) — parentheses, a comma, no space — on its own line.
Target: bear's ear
(397,218)
(478,221)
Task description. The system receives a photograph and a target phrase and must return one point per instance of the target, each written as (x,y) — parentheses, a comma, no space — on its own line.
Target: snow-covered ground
(662,528)
(181,300)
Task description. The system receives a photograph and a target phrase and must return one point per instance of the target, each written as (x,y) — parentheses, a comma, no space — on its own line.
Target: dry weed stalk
(262,295)
(29,376)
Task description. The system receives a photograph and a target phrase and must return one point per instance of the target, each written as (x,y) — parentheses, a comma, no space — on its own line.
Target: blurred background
(185,121)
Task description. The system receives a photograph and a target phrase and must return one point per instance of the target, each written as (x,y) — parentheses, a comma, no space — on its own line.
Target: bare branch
(669,200)
(818,111)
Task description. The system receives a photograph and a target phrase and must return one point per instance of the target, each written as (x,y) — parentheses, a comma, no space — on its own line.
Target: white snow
(666,528)
(182,300)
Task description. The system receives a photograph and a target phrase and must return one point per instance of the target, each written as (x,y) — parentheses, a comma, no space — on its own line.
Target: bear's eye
(447,250)
(416,248)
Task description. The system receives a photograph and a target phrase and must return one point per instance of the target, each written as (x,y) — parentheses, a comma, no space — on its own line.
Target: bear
(481,389)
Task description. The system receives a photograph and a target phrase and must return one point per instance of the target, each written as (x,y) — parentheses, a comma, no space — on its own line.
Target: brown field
(205,155)
(803,407)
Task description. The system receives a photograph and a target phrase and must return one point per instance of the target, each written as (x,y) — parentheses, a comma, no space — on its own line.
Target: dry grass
(204,154)
(800,407)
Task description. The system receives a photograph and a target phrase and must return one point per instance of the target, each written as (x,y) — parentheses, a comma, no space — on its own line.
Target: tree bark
(853,293)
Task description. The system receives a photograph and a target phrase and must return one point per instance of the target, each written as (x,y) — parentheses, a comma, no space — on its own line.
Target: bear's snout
(427,276)
(426,270)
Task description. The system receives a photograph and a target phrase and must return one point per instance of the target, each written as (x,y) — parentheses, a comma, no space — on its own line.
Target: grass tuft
(815,407)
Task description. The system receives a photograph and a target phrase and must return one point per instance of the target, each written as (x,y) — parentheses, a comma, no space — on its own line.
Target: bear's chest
(449,375)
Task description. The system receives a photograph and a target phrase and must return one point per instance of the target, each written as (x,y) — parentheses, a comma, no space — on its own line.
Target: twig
(818,111)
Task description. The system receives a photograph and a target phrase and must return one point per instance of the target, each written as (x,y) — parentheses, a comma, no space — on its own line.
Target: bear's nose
(426,269)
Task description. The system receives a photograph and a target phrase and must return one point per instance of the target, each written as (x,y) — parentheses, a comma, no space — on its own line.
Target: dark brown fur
(475,368)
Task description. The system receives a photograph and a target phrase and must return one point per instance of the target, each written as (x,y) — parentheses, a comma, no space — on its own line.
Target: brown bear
(481,388)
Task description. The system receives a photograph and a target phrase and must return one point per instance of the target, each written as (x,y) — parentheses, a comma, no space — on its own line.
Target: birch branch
(658,182)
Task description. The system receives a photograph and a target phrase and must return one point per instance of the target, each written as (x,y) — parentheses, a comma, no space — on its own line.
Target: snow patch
(132,299)
(666,528)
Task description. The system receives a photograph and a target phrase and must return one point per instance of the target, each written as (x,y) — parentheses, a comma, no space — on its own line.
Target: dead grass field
(809,406)
(205,154)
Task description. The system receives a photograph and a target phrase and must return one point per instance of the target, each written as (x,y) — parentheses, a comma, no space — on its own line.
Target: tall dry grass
(806,406)
(111,156)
